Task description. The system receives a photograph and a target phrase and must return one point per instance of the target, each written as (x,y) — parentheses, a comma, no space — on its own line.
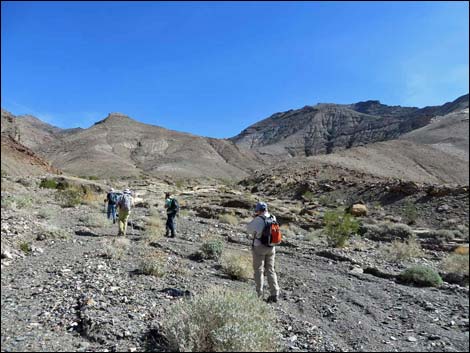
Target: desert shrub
(69,197)
(116,249)
(154,229)
(94,220)
(212,249)
(89,177)
(443,234)
(25,247)
(238,266)
(48,184)
(314,235)
(462,231)
(228,219)
(48,231)
(456,263)
(308,195)
(404,250)
(222,321)
(410,212)
(387,230)
(462,250)
(420,275)
(23,202)
(153,265)
(339,227)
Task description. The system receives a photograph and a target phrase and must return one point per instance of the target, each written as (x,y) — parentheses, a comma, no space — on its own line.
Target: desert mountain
(121,146)
(325,128)
(17,158)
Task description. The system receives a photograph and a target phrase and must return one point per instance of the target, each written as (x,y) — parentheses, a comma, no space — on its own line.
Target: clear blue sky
(215,68)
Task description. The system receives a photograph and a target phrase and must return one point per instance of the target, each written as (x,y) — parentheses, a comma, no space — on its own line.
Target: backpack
(271,235)
(112,198)
(174,206)
(125,202)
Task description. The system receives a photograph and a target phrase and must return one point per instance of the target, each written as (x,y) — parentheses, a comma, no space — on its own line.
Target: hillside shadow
(391,198)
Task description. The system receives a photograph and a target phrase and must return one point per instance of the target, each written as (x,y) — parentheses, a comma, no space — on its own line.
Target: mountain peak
(115,117)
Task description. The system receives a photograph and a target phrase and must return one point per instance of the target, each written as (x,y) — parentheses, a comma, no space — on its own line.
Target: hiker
(172,208)
(111,199)
(124,205)
(263,254)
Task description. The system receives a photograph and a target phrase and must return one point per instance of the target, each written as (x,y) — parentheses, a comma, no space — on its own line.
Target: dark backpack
(174,206)
(112,198)
(271,235)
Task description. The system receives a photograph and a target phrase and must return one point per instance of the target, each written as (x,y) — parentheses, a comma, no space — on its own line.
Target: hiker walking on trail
(111,199)
(266,235)
(172,208)
(124,204)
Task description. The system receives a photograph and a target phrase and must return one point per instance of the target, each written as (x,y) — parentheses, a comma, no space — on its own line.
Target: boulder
(359,210)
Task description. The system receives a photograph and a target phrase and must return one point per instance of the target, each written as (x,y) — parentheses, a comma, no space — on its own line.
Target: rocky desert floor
(68,283)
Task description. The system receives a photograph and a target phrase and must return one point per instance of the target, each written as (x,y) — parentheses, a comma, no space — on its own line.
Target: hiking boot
(272,299)
(173,235)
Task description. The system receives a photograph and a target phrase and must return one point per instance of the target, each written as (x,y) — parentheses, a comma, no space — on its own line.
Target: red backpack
(271,235)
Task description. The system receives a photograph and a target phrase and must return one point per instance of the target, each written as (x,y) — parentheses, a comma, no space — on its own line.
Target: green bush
(25,247)
(48,184)
(308,195)
(339,227)
(387,230)
(212,249)
(238,266)
(222,321)
(420,275)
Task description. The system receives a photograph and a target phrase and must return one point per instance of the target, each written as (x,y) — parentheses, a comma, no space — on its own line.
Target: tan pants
(123,216)
(263,260)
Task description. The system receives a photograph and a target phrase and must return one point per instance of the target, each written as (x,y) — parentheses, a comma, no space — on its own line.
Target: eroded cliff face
(326,128)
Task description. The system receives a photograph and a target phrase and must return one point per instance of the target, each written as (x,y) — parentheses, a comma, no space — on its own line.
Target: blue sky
(215,68)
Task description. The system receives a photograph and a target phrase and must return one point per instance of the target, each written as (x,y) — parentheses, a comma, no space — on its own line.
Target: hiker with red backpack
(124,204)
(172,208)
(266,235)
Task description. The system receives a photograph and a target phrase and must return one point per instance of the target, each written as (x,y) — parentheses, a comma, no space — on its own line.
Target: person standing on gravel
(172,208)
(111,199)
(124,205)
(263,256)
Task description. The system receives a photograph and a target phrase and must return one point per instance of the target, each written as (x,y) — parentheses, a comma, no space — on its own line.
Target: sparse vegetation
(69,197)
(314,235)
(222,321)
(94,220)
(25,247)
(456,263)
(308,195)
(210,249)
(154,229)
(387,230)
(421,276)
(153,265)
(116,249)
(400,250)
(228,219)
(48,184)
(339,227)
(46,213)
(49,231)
(238,266)
(410,212)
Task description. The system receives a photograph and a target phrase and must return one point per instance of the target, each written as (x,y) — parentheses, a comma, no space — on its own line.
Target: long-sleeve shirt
(256,226)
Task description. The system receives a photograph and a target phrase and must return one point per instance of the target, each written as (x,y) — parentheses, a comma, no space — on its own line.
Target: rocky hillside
(326,128)
(69,284)
(121,146)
